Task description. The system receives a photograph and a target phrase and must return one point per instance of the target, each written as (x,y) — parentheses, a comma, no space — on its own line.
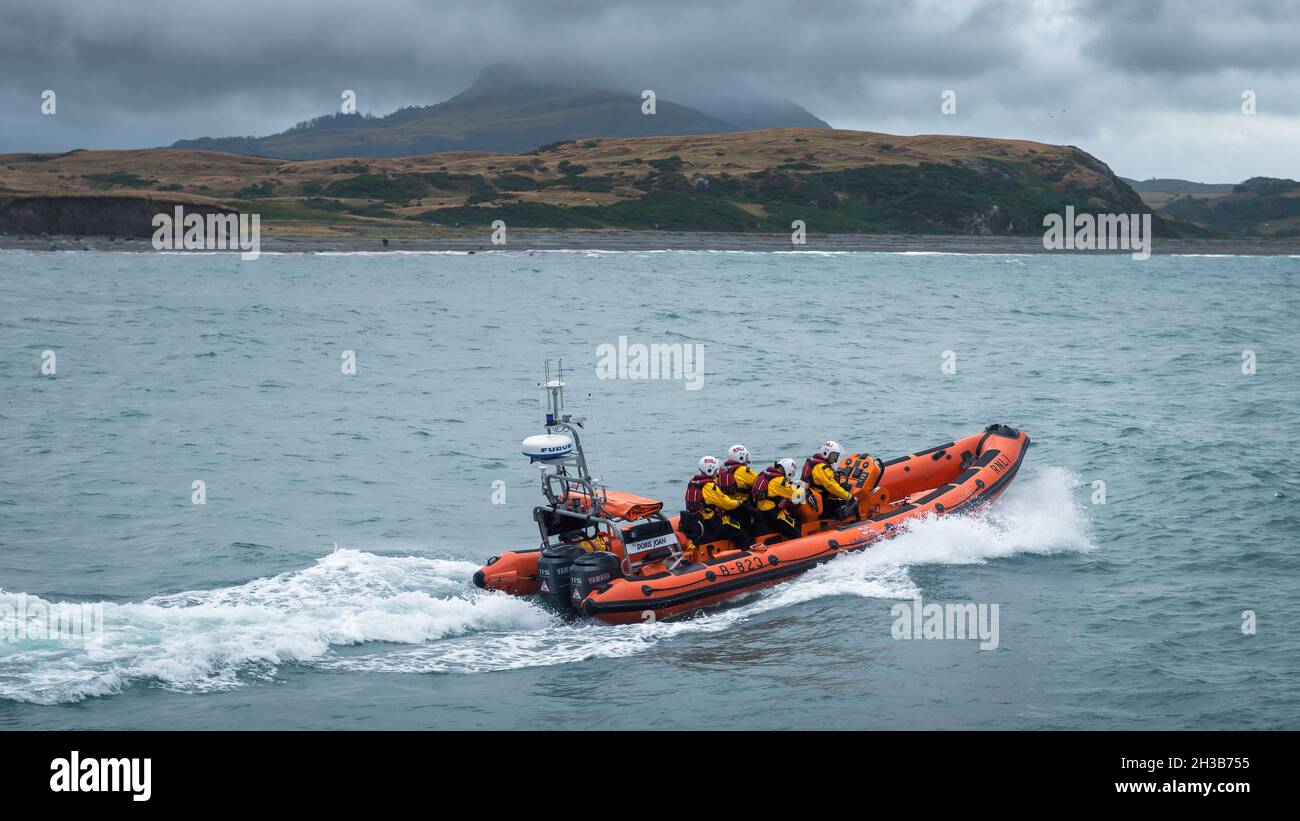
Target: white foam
(206,640)
(215,639)
(395,252)
(1036,516)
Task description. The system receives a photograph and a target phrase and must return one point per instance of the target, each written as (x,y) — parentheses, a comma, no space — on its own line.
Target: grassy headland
(748,182)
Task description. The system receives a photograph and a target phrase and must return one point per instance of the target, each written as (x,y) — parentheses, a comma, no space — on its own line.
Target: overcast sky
(1152,88)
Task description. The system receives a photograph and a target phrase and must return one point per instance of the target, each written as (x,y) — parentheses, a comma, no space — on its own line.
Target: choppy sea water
(326,581)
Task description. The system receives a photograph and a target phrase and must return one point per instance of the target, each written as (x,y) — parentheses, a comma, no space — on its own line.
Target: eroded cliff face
(91,216)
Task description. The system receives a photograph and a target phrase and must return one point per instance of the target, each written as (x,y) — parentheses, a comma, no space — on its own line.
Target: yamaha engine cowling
(592,571)
(553,574)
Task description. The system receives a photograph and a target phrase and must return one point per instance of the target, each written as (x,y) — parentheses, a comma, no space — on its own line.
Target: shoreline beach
(669,241)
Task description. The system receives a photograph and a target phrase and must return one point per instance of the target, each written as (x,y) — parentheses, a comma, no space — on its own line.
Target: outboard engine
(553,574)
(592,571)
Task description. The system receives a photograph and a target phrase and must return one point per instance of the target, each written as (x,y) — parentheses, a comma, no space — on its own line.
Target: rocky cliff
(110,216)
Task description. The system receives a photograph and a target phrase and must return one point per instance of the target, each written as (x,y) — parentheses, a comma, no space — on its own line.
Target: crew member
(711,507)
(773,494)
(736,479)
(596,543)
(819,473)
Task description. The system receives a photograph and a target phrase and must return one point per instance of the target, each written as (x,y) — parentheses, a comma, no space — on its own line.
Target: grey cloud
(147,72)
(1194,36)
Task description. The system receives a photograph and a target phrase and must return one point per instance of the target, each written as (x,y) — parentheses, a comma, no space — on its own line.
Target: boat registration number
(653,543)
(738,566)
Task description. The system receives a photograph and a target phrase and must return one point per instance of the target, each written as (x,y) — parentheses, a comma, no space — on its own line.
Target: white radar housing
(546,446)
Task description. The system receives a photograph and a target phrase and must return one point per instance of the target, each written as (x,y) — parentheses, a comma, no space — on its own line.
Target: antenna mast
(559,422)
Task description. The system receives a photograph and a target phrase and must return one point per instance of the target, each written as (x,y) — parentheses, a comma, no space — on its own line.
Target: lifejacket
(759,491)
(727,477)
(810,464)
(695,492)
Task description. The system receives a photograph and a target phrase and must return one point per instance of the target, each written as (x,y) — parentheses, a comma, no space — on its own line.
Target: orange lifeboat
(617,558)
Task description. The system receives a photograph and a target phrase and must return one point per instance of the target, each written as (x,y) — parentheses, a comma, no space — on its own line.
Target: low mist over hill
(508,110)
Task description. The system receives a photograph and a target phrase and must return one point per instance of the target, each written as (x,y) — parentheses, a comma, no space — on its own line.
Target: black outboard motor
(592,571)
(553,574)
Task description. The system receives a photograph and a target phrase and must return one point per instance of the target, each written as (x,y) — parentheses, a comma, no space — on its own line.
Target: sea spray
(216,639)
(1037,515)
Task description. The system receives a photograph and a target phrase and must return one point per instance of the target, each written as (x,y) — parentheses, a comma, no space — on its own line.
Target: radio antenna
(595,436)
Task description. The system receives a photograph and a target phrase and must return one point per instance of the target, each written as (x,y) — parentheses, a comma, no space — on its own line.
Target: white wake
(417,614)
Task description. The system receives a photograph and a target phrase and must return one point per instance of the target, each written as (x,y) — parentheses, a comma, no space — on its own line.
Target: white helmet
(831,449)
(739,453)
(786,466)
(709,465)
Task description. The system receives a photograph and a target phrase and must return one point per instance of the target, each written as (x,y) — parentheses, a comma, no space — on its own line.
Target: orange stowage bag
(621,505)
